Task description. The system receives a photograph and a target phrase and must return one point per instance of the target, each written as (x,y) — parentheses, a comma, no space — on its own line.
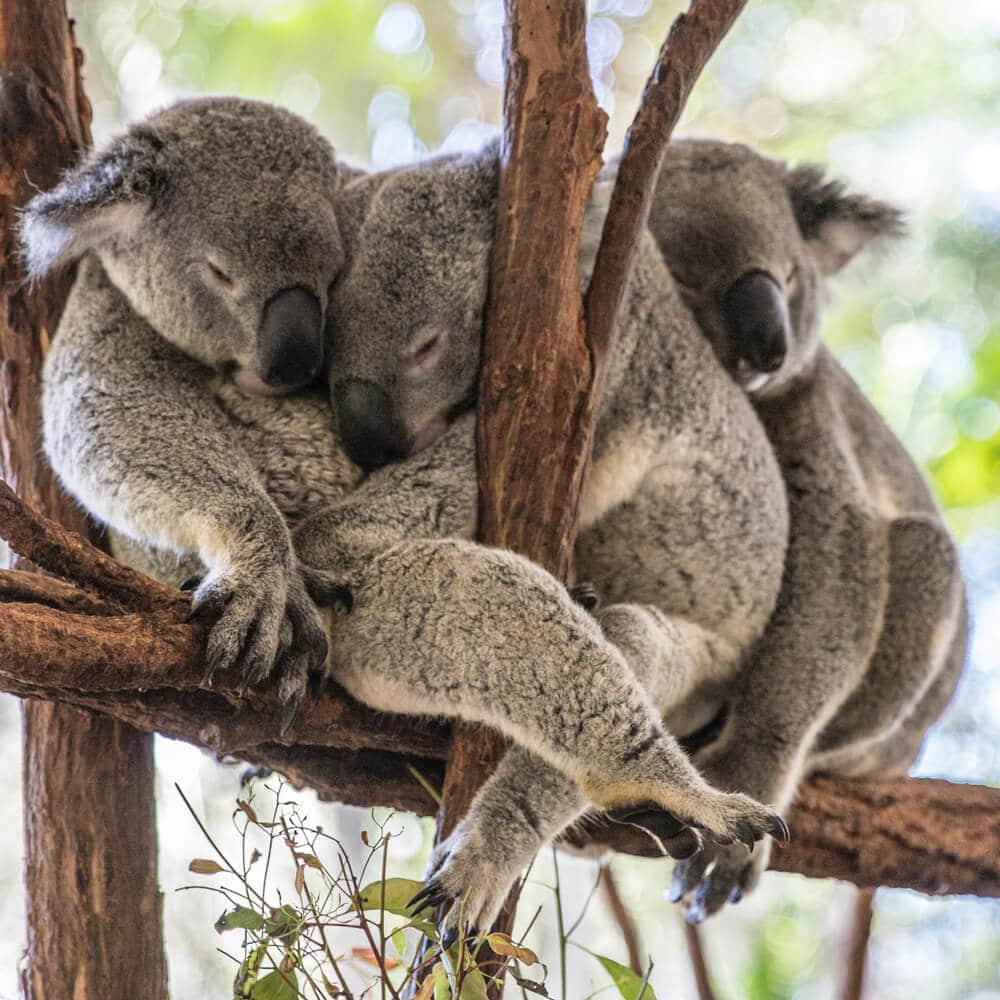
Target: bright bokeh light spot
(489,64)
(393,145)
(301,93)
(819,62)
(469,134)
(400,30)
(981,167)
(140,68)
(604,41)
(389,104)
(766,117)
(935,435)
(978,418)
(883,21)
(909,347)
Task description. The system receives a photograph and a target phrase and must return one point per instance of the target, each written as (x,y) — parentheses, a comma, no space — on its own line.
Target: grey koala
(683,515)
(173,245)
(870,631)
(148,423)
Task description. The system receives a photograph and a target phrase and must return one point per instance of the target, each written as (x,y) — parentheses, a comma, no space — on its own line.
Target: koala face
(404,325)
(216,219)
(749,242)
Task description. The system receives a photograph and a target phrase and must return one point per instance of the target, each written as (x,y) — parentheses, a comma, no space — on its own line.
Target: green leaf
(284,923)
(398,892)
(399,943)
(629,984)
(241,918)
(473,986)
(277,986)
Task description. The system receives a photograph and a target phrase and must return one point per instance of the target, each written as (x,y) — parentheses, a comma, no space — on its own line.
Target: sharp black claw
(735,896)
(778,829)
(449,937)
(431,896)
(288,713)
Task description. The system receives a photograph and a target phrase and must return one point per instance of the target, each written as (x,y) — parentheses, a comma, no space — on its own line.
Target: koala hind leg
(450,628)
(924,612)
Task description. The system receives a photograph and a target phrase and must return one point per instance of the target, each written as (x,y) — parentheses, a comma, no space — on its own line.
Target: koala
(169,296)
(683,511)
(870,630)
(163,416)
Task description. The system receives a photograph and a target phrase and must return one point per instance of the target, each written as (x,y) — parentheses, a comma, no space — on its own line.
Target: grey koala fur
(869,635)
(683,512)
(870,631)
(145,426)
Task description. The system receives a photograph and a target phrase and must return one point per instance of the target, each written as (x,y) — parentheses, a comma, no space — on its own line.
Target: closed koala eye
(218,275)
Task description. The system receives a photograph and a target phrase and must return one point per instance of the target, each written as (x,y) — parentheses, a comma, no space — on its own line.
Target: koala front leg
(525,804)
(811,656)
(924,613)
(431,495)
(131,430)
(451,628)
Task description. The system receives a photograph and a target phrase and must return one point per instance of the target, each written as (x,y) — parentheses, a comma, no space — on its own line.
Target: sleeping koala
(182,305)
(683,514)
(869,635)
(871,599)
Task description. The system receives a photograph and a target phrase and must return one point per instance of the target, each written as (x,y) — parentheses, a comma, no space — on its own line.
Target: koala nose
(756,314)
(372,434)
(291,339)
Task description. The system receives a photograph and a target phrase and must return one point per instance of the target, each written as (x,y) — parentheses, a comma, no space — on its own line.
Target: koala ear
(835,223)
(106,195)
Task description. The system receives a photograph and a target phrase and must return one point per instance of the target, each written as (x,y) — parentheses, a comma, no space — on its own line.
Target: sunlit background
(899,98)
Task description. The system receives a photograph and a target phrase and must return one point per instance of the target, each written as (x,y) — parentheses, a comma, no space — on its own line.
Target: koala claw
(430,897)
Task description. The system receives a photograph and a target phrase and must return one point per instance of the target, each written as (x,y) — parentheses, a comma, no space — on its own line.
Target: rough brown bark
(534,423)
(932,836)
(90,841)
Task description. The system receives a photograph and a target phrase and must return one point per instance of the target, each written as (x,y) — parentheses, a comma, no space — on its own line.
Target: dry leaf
(204,866)
(369,957)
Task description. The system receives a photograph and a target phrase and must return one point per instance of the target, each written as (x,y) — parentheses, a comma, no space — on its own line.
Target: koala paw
(716,875)
(470,878)
(261,620)
(733,818)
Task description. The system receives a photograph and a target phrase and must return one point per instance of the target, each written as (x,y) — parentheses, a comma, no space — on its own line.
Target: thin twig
(699,966)
(856,953)
(623,918)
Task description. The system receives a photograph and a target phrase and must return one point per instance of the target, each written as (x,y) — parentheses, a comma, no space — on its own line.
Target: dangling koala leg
(451,628)
(812,654)
(524,805)
(924,615)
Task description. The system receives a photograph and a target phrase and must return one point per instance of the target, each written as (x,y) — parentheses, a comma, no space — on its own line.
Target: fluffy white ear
(108,194)
(835,223)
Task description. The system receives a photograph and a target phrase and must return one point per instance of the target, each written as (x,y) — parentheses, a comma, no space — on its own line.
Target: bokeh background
(902,99)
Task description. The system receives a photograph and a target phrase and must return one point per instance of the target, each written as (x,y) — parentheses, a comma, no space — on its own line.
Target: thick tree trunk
(94,925)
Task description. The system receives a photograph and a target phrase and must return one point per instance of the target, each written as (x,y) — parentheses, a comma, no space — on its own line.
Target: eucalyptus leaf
(276,986)
(398,892)
(242,918)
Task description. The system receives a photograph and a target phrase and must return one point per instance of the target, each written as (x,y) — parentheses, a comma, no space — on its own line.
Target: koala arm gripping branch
(131,429)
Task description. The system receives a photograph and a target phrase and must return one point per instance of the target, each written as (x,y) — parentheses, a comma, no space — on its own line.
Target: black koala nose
(291,339)
(371,432)
(756,315)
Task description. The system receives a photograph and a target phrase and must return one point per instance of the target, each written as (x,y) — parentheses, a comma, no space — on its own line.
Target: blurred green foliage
(902,99)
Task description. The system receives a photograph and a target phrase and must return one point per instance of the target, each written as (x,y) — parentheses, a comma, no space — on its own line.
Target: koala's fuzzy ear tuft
(108,194)
(834,222)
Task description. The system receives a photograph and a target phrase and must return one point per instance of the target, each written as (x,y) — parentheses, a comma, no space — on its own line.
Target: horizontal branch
(932,836)
(145,667)
(65,554)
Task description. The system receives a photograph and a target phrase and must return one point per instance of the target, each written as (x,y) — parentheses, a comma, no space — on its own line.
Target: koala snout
(290,346)
(372,434)
(756,315)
